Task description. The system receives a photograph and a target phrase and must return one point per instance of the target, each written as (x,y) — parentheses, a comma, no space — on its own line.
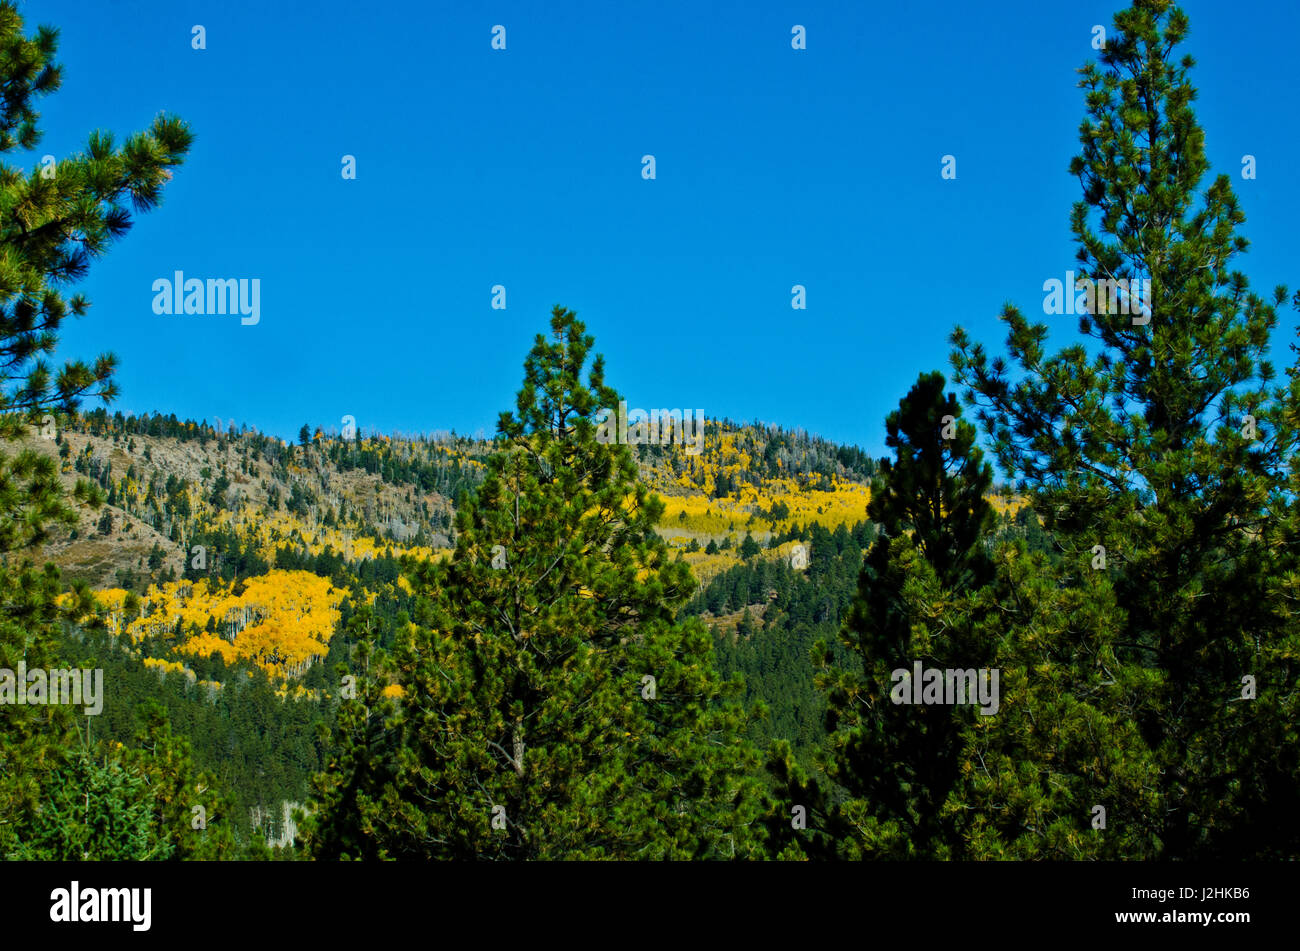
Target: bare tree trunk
(519,748)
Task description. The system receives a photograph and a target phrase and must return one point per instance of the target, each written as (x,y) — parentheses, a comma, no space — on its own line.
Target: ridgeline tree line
(551,691)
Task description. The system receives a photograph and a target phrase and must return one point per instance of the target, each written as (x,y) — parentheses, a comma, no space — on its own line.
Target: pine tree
(1158,455)
(897,764)
(81,207)
(935,489)
(552,705)
(1063,740)
(56,219)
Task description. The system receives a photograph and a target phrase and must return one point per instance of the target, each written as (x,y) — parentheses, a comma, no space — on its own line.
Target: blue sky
(522,167)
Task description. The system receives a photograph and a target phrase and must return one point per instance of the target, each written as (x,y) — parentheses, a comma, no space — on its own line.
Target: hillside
(197,519)
(236,567)
(187,503)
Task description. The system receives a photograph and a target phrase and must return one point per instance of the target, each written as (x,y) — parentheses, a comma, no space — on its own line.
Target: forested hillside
(560,643)
(227,573)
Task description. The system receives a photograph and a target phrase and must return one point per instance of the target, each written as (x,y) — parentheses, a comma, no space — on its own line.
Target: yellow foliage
(846,505)
(282,620)
(166,666)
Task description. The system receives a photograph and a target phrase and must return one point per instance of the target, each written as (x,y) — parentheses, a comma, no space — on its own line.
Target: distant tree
(745,628)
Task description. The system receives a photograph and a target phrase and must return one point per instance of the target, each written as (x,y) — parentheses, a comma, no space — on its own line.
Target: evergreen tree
(1158,456)
(81,204)
(56,219)
(897,764)
(552,705)
(935,489)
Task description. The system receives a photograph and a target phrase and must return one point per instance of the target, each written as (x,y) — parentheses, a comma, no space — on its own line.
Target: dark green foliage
(935,490)
(1159,456)
(62,795)
(801,608)
(896,764)
(528,728)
